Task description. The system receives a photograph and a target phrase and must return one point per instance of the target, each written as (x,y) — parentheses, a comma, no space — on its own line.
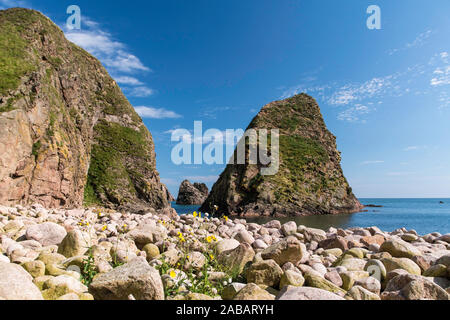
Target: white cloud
(422,79)
(443,79)
(213,112)
(221,135)
(317,91)
(112,53)
(414,148)
(372,162)
(357,92)
(170,131)
(125,62)
(204,179)
(441,75)
(444,99)
(5,4)
(140,92)
(354,114)
(350,95)
(156,113)
(128,80)
(399,174)
(419,41)
(169,182)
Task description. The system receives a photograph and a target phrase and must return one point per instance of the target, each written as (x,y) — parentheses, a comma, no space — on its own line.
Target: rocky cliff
(310,179)
(192,194)
(69,135)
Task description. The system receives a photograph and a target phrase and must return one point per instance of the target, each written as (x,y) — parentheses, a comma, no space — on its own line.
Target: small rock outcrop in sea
(69,135)
(373,206)
(310,179)
(192,194)
(101,254)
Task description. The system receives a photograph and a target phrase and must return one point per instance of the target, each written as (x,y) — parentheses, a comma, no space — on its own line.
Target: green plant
(184,278)
(51,125)
(55,61)
(88,271)
(8,107)
(13,57)
(115,263)
(36,147)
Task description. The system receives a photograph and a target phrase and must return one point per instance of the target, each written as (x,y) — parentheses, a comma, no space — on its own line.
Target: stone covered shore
(100,254)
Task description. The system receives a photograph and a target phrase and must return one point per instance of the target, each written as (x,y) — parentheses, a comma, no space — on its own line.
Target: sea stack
(310,179)
(192,194)
(69,136)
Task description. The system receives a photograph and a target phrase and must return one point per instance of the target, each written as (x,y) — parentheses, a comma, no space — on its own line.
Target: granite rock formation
(69,136)
(192,194)
(310,179)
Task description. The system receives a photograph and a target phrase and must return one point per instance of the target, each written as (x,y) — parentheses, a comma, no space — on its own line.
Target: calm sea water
(423,215)
(184,209)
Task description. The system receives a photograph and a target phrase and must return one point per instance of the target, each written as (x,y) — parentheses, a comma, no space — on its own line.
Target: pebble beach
(101,254)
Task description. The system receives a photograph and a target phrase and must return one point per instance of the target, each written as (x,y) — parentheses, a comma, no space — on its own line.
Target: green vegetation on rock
(8,107)
(108,174)
(36,147)
(298,152)
(14,60)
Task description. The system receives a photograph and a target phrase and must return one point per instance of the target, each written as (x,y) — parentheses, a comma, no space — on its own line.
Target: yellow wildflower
(104,228)
(211,257)
(226,218)
(173,274)
(195,214)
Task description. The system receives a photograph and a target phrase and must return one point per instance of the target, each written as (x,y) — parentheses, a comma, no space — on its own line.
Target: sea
(422,215)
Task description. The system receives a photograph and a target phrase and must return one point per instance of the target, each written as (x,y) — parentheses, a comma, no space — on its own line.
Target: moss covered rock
(309,180)
(401,263)
(312,280)
(266,272)
(253,292)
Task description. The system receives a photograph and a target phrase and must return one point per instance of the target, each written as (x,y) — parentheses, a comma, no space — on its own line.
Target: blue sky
(384,93)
